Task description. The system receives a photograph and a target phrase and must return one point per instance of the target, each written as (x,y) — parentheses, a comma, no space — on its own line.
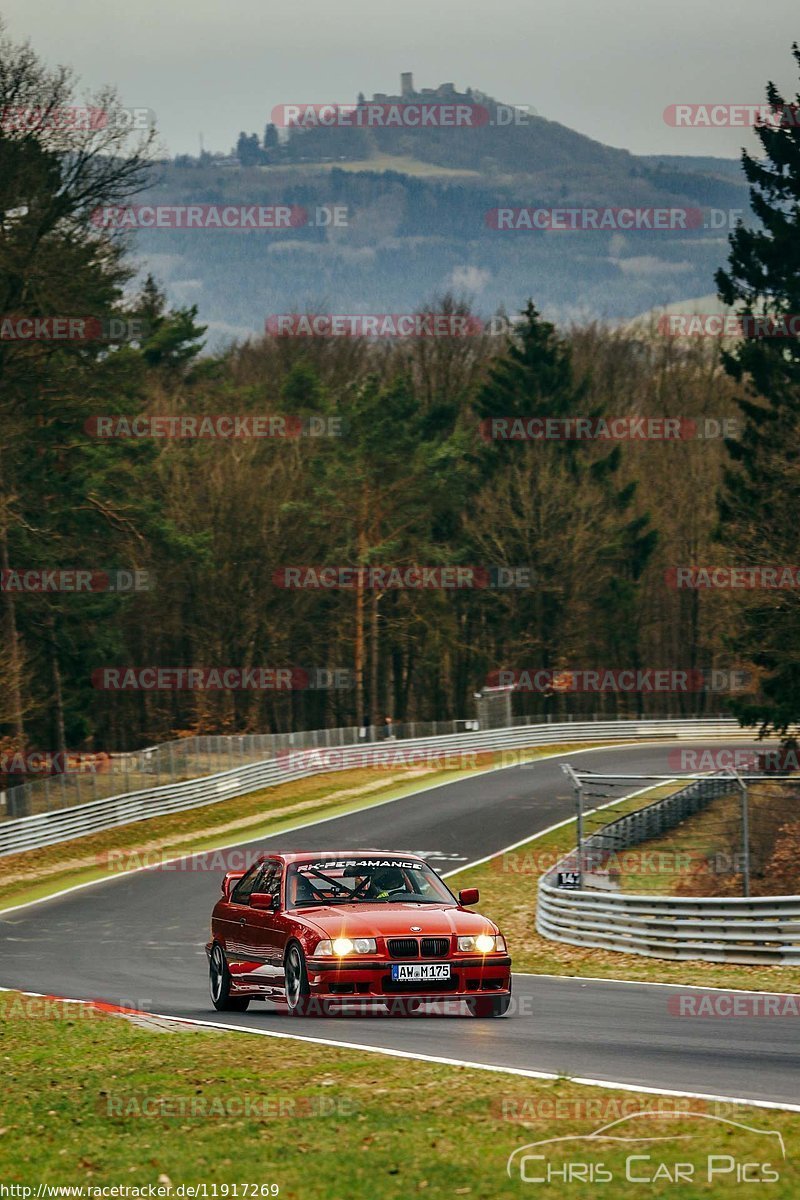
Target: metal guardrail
(209,754)
(764,929)
(45,828)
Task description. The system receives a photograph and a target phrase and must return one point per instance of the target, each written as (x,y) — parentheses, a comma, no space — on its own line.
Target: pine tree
(535,378)
(760,499)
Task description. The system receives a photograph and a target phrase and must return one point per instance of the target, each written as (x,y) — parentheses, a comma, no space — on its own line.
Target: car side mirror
(262,900)
(230,879)
(469,896)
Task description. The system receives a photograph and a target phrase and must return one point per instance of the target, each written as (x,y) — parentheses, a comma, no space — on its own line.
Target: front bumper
(471,975)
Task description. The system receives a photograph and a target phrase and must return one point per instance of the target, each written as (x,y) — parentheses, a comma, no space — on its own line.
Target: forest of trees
(409,480)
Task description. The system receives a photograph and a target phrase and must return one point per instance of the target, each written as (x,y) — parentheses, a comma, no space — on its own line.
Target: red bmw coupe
(322,930)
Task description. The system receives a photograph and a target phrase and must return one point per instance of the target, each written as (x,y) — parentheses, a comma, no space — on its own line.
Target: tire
(298,989)
(489,1006)
(219,979)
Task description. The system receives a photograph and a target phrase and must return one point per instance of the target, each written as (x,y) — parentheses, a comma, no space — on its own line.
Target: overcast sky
(607,68)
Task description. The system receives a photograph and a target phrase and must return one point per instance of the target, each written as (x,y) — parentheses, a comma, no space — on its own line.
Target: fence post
(734,774)
(745,840)
(578,787)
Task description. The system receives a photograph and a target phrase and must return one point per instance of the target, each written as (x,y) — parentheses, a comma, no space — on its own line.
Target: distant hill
(726,168)
(417,225)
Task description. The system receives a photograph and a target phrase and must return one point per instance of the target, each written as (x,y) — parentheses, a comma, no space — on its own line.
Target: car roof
(292,856)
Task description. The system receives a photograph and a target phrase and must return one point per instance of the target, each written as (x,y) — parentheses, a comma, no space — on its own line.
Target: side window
(272,884)
(264,882)
(241,893)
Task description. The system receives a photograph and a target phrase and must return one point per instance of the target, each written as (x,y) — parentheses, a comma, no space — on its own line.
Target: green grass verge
(95,1101)
(676,853)
(38,873)
(508,884)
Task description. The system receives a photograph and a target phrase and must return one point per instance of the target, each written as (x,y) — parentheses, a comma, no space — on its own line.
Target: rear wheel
(219,980)
(298,989)
(489,1006)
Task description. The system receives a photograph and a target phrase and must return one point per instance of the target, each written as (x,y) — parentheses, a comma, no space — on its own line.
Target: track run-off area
(137,940)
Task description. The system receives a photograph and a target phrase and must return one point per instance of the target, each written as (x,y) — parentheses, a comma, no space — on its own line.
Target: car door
(261,931)
(244,942)
(282,923)
(229,914)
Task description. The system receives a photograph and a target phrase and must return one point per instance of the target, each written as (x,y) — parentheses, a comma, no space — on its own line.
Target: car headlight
(343,946)
(484,943)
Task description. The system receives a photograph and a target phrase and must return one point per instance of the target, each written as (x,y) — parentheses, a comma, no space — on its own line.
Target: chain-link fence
(209,754)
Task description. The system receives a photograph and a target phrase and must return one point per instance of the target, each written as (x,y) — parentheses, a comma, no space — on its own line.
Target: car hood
(381,920)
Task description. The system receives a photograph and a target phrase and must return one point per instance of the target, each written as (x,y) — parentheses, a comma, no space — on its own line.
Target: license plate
(420,972)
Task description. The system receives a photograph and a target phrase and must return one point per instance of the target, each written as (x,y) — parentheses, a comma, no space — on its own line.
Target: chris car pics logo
(621,1150)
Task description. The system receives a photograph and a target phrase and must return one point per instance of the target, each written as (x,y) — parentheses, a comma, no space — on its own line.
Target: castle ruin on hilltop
(445,91)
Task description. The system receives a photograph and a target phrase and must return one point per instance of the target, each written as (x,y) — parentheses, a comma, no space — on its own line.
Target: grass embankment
(508,885)
(94,1100)
(703,855)
(38,873)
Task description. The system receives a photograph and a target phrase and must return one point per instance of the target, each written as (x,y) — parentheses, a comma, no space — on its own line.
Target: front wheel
(219,980)
(489,1006)
(298,988)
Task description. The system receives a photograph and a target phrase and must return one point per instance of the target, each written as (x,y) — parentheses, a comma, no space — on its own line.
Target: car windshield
(364,881)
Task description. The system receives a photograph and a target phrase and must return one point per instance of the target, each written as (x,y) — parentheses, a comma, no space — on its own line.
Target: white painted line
(77,887)
(466,867)
(686,987)
(534,837)
(525,1072)
(697,987)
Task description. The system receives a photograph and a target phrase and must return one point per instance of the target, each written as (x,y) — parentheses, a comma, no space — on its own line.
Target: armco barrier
(763,929)
(42,829)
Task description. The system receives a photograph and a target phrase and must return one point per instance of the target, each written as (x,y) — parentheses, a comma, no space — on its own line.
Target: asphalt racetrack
(138,940)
